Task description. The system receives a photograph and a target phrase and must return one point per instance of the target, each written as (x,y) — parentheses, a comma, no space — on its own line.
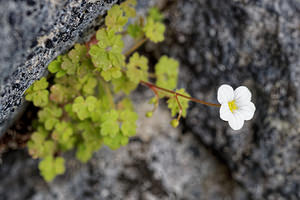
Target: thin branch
(180,108)
(157,98)
(178,94)
(135,47)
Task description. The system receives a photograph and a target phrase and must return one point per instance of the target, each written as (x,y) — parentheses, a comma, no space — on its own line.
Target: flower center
(232,106)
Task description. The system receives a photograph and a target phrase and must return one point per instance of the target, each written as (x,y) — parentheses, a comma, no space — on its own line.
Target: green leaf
(124,84)
(54,66)
(108,52)
(50,167)
(79,53)
(173,105)
(69,110)
(59,165)
(115,19)
(128,119)
(166,71)
(97,112)
(100,57)
(112,73)
(128,8)
(155,14)
(90,103)
(84,153)
(68,64)
(37,93)
(60,73)
(83,108)
(116,141)
(89,86)
(63,132)
(58,93)
(137,68)
(50,123)
(110,125)
(79,108)
(49,116)
(40,98)
(40,84)
(128,115)
(154,30)
(135,31)
(91,135)
(125,103)
(66,88)
(38,146)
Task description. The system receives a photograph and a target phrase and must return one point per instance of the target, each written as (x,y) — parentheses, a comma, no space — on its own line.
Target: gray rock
(32,34)
(252,43)
(239,42)
(159,163)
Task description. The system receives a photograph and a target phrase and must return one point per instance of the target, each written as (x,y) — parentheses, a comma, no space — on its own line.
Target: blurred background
(255,43)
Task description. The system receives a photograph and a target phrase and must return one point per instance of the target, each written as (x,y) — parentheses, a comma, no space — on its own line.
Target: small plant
(88,104)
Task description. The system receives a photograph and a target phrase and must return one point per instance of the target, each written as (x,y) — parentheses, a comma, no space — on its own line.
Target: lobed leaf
(115,19)
(166,71)
(137,68)
(154,30)
(51,167)
(110,125)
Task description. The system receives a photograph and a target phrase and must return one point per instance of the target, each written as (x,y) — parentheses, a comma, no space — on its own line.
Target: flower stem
(157,98)
(150,85)
(180,108)
(135,47)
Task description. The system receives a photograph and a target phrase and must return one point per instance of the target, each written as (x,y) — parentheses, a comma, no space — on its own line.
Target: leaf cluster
(85,107)
(38,93)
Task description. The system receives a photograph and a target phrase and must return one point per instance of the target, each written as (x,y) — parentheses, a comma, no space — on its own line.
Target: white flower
(236,106)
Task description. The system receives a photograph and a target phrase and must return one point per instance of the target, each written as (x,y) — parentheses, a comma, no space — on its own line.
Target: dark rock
(32,34)
(252,43)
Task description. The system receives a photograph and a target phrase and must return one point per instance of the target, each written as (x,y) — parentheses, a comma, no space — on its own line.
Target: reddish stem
(150,85)
(180,107)
(157,98)
(153,87)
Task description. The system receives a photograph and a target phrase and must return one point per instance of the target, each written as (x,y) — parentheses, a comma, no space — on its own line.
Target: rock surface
(160,163)
(239,42)
(252,43)
(32,34)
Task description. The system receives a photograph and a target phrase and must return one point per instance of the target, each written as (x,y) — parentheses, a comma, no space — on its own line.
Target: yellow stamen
(232,106)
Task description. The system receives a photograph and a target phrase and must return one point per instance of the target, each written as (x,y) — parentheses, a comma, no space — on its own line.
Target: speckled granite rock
(32,34)
(252,43)
(160,163)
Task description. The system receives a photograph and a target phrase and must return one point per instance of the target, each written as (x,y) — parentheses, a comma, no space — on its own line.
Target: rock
(32,34)
(252,43)
(239,42)
(159,163)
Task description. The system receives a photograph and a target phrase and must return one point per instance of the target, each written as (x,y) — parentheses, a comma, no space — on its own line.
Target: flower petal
(242,95)
(236,122)
(225,94)
(225,112)
(246,111)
